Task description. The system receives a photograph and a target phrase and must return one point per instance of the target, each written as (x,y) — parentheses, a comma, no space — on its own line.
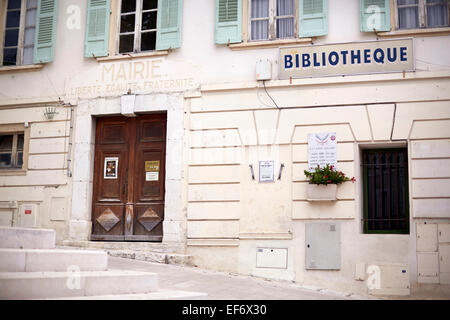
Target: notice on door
(322,150)
(151,166)
(151,176)
(110,167)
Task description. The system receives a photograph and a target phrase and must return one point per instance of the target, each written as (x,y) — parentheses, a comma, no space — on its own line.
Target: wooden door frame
(129,206)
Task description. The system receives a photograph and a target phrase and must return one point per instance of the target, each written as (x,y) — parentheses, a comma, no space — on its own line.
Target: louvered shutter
(313,16)
(45,31)
(228,24)
(97,28)
(375,14)
(169,22)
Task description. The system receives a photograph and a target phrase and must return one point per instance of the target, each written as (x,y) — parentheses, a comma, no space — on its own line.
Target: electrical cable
(265,89)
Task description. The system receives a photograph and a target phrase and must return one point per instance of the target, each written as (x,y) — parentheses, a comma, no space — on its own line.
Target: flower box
(321,192)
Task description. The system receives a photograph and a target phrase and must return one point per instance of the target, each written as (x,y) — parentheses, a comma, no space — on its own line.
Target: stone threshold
(162,247)
(165,258)
(166,253)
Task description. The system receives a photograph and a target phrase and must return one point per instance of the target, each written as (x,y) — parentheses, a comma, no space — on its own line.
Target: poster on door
(111,166)
(322,150)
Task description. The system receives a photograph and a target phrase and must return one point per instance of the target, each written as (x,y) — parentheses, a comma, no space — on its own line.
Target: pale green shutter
(228,24)
(97,28)
(313,16)
(170,14)
(45,31)
(375,14)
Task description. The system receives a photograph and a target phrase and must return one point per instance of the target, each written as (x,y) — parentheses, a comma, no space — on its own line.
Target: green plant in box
(327,175)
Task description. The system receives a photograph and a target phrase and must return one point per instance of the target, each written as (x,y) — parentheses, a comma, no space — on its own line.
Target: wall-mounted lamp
(50,112)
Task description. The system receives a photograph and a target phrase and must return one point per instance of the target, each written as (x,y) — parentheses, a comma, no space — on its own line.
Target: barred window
(385,178)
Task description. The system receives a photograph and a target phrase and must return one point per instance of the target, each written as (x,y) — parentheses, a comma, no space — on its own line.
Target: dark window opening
(385,178)
(11,151)
(138,26)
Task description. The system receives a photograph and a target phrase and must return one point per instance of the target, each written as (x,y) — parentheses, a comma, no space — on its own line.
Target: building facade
(188,124)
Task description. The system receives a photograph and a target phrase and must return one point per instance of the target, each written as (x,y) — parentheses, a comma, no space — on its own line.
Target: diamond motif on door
(108,219)
(149,219)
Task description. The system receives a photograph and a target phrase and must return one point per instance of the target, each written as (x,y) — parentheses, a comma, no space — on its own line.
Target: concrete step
(27,238)
(32,260)
(162,294)
(49,285)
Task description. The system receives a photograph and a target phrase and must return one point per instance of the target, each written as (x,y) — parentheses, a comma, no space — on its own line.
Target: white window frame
(22,26)
(272,21)
(137,27)
(422,8)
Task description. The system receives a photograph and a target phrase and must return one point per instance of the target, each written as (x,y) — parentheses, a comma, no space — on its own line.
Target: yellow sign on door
(151,166)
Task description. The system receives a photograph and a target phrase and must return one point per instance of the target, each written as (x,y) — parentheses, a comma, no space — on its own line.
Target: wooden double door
(129,175)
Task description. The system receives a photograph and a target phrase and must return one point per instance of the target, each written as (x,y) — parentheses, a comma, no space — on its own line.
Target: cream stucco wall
(232,128)
(220,120)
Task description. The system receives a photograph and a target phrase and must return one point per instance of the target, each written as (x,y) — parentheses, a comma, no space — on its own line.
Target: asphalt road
(224,286)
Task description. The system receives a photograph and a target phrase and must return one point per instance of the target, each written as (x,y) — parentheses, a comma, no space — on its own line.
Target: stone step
(166,258)
(127,245)
(27,238)
(162,294)
(49,285)
(32,260)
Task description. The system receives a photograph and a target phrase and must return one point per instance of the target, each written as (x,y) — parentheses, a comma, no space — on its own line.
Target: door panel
(109,220)
(152,129)
(115,132)
(112,188)
(149,185)
(129,175)
(148,219)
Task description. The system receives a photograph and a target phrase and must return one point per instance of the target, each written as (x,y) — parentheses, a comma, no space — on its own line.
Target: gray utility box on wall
(323,245)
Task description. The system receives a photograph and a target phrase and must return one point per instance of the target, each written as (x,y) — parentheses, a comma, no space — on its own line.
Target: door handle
(125,183)
(125,186)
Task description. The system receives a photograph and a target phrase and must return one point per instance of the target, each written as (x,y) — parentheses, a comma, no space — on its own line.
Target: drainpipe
(69,153)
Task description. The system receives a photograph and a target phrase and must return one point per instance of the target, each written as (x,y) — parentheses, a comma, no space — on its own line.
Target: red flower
(353,179)
(332,167)
(329,181)
(325,176)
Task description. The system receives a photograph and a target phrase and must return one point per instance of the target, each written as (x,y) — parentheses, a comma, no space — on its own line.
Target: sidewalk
(223,286)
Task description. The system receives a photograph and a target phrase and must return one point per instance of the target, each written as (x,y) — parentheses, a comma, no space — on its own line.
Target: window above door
(127,27)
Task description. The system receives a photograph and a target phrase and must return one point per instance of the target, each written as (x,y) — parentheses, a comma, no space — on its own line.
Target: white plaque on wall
(322,150)
(266,172)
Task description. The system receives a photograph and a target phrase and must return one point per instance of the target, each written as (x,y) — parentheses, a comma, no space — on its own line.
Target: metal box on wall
(444,232)
(271,258)
(427,237)
(27,217)
(323,245)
